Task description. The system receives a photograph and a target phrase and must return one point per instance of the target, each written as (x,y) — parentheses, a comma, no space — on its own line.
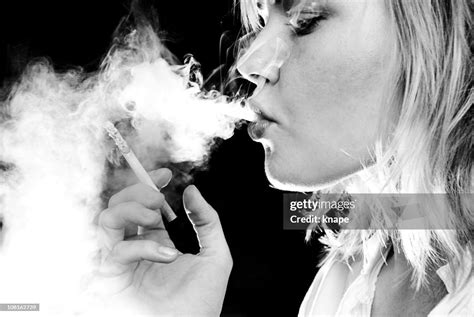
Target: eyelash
(305,26)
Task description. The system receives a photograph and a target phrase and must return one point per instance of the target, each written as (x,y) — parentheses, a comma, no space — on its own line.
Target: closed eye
(305,24)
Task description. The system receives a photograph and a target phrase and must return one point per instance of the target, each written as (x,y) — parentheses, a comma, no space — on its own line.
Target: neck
(401,267)
(399,264)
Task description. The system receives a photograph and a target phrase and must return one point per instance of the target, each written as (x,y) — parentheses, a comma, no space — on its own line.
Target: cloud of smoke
(54,152)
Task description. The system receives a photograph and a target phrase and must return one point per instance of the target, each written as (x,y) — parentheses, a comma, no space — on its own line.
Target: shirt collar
(455,277)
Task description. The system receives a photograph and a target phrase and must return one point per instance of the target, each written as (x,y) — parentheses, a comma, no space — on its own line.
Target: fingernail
(169,252)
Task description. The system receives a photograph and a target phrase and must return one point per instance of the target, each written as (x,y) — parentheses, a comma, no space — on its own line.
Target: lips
(257,129)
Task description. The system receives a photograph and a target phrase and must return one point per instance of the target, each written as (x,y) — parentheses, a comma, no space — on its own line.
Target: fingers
(161,177)
(125,253)
(134,211)
(140,193)
(144,194)
(157,234)
(115,220)
(206,224)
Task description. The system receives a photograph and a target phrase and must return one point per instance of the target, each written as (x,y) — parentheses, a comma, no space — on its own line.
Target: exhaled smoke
(55,148)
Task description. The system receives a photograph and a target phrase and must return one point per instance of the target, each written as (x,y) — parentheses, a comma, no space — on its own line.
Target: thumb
(206,223)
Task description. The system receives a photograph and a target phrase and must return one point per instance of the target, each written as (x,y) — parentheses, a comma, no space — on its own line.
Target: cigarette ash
(117,137)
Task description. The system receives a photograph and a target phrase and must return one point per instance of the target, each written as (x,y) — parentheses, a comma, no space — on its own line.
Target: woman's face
(321,77)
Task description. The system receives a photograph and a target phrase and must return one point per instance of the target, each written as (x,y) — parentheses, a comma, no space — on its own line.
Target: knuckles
(113,200)
(104,217)
(141,193)
(118,216)
(151,217)
(113,217)
(154,200)
(147,196)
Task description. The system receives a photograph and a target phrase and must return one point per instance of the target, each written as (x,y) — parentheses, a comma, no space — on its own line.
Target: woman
(370,95)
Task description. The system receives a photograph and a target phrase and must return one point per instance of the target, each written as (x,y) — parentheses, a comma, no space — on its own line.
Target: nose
(262,61)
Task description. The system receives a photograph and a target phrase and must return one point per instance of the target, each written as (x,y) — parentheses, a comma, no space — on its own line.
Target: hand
(140,260)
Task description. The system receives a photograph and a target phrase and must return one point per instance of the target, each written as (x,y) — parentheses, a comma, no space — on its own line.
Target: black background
(273,268)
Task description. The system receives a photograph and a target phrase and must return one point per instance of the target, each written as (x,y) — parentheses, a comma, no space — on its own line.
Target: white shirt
(329,296)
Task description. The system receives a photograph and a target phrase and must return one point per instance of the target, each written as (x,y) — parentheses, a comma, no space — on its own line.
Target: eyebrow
(289,4)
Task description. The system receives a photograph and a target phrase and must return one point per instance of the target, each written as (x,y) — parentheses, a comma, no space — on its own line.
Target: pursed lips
(261,114)
(257,129)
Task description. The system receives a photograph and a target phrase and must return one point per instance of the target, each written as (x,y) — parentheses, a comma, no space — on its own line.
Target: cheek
(330,78)
(336,74)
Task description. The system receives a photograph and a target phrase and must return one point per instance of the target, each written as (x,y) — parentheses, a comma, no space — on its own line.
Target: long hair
(430,146)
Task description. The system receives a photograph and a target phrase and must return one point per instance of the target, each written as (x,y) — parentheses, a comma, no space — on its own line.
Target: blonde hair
(429,148)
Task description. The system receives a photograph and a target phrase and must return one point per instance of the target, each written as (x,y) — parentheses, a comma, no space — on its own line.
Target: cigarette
(136,167)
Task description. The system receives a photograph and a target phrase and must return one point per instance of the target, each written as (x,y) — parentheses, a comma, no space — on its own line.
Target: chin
(288,179)
(292,177)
